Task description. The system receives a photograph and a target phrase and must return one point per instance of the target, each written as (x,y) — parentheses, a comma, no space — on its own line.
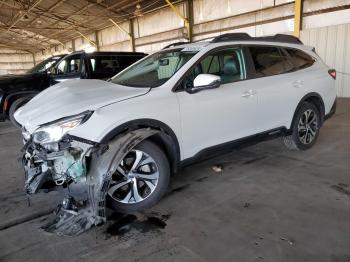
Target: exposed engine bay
(83,167)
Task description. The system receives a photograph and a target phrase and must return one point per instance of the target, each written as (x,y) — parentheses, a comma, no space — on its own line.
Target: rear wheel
(305,128)
(141,179)
(13,108)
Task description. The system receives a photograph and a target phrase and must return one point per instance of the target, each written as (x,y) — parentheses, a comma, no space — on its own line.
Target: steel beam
(130,33)
(86,38)
(298,15)
(186,22)
(190,19)
(22,15)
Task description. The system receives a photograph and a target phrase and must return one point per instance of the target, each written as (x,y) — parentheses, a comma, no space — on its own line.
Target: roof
(108,53)
(39,24)
(240,38)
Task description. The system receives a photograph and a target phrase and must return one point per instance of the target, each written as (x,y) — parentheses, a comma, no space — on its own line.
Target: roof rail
(175,44)
(245,37)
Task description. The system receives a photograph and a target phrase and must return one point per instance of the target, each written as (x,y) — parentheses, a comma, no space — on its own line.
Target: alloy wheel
(136,178)
(308,127)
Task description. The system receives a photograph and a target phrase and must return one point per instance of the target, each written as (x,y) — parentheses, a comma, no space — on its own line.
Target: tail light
(6,103)
(332,73)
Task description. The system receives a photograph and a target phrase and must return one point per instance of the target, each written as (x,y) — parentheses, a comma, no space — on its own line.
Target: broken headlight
(53,132)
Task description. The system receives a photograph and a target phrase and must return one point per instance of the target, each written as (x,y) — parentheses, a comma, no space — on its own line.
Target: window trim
(177,88)
(70,58)
(282,49)
(285,50)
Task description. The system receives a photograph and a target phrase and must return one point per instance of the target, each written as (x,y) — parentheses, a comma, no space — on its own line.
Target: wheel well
(314,99)
(13,97)
(166,139)
(318,102)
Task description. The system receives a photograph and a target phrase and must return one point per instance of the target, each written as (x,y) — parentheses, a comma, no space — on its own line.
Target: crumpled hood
(70,98)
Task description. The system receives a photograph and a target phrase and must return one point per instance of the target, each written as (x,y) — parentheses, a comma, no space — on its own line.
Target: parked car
(202,99)
(15,91)
(15,87)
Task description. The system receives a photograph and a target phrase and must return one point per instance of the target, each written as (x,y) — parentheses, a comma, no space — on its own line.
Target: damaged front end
(83,167)
(60,164)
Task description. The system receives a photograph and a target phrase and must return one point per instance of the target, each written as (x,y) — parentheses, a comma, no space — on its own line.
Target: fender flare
(14,96)
(306,98)
(167,138)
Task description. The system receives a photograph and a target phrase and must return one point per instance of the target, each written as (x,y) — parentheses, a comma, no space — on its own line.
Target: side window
(70,65)
(104,64)
(228,64)
(300,59)
(269,61)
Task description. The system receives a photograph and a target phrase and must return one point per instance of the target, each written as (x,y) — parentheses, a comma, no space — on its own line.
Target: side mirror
(204,82)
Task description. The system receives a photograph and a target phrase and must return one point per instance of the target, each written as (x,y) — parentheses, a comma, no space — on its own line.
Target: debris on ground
(217,168)
(341,188)
(290,241)
(119,224)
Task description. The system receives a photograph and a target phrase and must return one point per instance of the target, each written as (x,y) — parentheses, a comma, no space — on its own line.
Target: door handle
(298,83)
(249,93)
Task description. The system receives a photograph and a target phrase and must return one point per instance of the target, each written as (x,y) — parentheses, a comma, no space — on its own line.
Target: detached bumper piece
(65,165)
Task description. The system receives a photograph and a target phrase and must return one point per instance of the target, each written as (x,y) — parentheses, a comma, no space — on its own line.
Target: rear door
(278,87)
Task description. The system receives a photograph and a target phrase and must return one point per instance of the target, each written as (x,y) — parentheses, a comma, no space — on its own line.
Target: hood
(14,82)
(70,98)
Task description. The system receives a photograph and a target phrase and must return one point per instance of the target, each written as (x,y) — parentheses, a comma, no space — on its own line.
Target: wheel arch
(14,96)
(166,139)
(315,99)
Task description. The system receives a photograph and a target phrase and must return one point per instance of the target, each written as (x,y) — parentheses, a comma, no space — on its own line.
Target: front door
(68,68)
(216,116)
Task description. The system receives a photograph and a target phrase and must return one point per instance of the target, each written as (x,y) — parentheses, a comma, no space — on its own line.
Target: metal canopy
(34,25)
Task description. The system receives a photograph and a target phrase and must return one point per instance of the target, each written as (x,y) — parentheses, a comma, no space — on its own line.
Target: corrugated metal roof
(36,24)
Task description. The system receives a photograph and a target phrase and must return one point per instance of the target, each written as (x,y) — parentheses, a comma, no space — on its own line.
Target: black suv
(16,90)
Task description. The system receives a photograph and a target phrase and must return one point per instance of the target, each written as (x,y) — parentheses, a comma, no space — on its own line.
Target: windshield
(155,70)
(45,65)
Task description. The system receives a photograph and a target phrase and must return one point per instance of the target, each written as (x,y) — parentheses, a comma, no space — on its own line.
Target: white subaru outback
(181,104)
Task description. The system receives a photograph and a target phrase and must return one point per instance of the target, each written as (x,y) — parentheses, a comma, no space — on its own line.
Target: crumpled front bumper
(86,168)
(56,165)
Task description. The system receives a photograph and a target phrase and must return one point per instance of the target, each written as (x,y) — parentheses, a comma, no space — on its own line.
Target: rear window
(300,59)
(106,66)
(269,61)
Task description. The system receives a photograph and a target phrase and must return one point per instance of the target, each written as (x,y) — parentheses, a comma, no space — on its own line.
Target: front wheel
(305,128)
(13,108)
(141,179)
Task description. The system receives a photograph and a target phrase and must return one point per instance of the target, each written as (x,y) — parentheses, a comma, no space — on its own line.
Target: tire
(13,108)
(122,199)
(305,128)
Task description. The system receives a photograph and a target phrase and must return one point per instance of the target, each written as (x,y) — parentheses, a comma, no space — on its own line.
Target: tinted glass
(70,65)
(228,64)
(155,70)
(104,64)
(45,65)
(300,59)
(127,60)
(270,61)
